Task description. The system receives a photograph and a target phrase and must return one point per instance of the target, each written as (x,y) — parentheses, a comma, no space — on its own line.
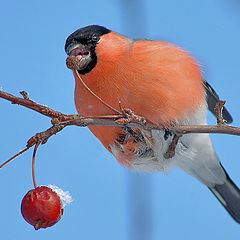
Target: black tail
(229,196)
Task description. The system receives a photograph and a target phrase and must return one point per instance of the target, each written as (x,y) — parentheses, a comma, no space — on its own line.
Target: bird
(163,84)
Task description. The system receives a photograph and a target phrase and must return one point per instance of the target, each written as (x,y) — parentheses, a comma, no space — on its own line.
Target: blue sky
(33,59)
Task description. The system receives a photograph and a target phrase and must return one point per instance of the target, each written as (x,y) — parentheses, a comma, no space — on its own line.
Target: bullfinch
(160,82)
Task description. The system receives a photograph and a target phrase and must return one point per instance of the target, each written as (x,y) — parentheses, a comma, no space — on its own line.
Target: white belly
(194,153)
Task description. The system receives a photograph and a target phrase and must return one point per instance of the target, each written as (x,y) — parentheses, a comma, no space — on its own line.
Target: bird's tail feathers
(228,195)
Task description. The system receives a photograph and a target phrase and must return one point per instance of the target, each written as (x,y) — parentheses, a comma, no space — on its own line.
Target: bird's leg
(137,135)
(171,149)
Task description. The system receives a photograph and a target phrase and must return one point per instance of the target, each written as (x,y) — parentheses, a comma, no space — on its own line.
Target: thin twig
(60,120)
(72,63)
(218,111)
(95,95)
(33,164)
(24,94)
(16,155)
(35,106)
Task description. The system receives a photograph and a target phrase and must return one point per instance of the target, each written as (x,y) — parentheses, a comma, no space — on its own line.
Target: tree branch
(60,121)
(125,118)
(26,102)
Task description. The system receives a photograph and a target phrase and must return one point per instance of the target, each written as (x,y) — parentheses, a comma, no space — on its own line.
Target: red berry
(42,207)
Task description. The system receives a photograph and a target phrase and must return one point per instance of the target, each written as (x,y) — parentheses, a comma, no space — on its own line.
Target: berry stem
(37,225)
(33,164)
(24,150)
(95,95)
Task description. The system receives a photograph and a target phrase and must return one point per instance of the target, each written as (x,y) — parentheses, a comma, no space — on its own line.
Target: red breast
(155,79)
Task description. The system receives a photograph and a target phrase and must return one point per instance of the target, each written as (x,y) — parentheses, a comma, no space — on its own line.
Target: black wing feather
(212,99)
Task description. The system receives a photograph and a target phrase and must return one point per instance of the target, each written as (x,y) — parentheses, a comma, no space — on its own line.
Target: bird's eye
(95,38)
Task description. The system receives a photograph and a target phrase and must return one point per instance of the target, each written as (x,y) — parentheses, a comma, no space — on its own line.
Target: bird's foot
(171,149)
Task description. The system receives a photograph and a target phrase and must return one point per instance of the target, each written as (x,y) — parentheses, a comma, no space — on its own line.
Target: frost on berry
(65,197)
(42,207)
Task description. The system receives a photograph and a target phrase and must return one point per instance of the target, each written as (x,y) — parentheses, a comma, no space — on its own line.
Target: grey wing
(212,99)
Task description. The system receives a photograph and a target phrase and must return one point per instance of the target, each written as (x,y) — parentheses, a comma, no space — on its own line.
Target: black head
(82,44)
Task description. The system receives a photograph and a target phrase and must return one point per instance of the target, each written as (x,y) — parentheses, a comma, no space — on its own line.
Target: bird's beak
(81,54)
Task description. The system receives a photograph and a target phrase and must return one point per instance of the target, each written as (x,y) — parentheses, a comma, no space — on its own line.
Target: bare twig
(26,102)
(218,110)
(60,120)
(125,118)
(72,63)
(24,94)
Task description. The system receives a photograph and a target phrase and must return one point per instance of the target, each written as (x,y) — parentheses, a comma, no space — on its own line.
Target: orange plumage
(160,82)
(164,91)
